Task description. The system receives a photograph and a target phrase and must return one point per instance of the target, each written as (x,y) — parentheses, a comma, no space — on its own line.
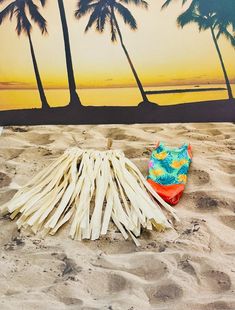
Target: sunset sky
(163,54)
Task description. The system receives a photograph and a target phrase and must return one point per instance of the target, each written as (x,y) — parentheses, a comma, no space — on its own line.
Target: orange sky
(162,53)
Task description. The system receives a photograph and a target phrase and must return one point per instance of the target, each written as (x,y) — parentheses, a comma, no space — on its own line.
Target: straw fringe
(67,188)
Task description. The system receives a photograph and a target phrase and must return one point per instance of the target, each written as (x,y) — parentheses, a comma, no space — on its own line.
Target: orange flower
(182,178)
(156,172)
(178,163)
(161,155)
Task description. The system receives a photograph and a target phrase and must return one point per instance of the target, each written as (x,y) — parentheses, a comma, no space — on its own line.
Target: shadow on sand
(209,111)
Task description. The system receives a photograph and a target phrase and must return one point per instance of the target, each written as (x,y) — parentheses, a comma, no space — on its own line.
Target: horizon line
(113,87)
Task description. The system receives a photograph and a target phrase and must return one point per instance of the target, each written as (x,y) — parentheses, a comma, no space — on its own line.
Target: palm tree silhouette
(22,8)
(201,13)
(225,16)
(225,19)
(74,98)
(103,12)
(215,16)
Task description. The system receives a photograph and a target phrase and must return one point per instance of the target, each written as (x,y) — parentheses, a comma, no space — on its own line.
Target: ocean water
(23,99)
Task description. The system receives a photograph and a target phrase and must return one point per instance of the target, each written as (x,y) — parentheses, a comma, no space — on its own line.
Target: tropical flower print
(182,178)
(169,166)
(178,163)
(161,156)
(156,172)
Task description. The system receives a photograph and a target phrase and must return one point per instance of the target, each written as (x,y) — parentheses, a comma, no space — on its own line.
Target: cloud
(191,78)
(13,84)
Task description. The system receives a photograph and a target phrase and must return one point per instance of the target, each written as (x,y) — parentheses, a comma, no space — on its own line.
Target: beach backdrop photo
(116,61)
(117,154)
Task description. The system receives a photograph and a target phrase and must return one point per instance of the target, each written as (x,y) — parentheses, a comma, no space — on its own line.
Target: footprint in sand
(205,202)
(228,220)
(199,177)
(148,268)
(69,268)
(151,269)
(138,153)
(116,283)
(14,244)
(187,267)
(10,154)
(218,281)
(166,293)
(71,301)
(5,180)
(133,152)
(39,139)
(120,134)
(152,129)
(214,132)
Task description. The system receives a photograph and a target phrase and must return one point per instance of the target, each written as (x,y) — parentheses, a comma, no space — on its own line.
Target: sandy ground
(190,268)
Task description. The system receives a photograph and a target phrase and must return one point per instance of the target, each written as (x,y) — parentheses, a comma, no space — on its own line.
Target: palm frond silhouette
(104,12)
(214,16)
(26,11)
(225,19)
(225,15)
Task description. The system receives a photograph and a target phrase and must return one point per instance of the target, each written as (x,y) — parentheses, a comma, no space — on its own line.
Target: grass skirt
(89,188)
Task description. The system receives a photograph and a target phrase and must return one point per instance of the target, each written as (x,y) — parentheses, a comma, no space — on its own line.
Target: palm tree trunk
(129,59)
(229,89)
(45,104)
(72,85)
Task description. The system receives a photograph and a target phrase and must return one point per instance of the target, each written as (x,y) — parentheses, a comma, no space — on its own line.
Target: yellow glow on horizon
(162,53)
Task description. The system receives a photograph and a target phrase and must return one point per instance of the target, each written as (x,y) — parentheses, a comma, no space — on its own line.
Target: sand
(192,267)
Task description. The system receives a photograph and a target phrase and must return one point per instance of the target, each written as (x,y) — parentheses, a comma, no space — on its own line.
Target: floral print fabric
(170,166)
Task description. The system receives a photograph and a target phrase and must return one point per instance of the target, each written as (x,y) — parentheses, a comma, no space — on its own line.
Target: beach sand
(191,268)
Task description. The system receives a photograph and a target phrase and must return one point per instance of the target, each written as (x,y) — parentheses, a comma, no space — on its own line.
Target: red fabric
(170,193)
(190,151)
